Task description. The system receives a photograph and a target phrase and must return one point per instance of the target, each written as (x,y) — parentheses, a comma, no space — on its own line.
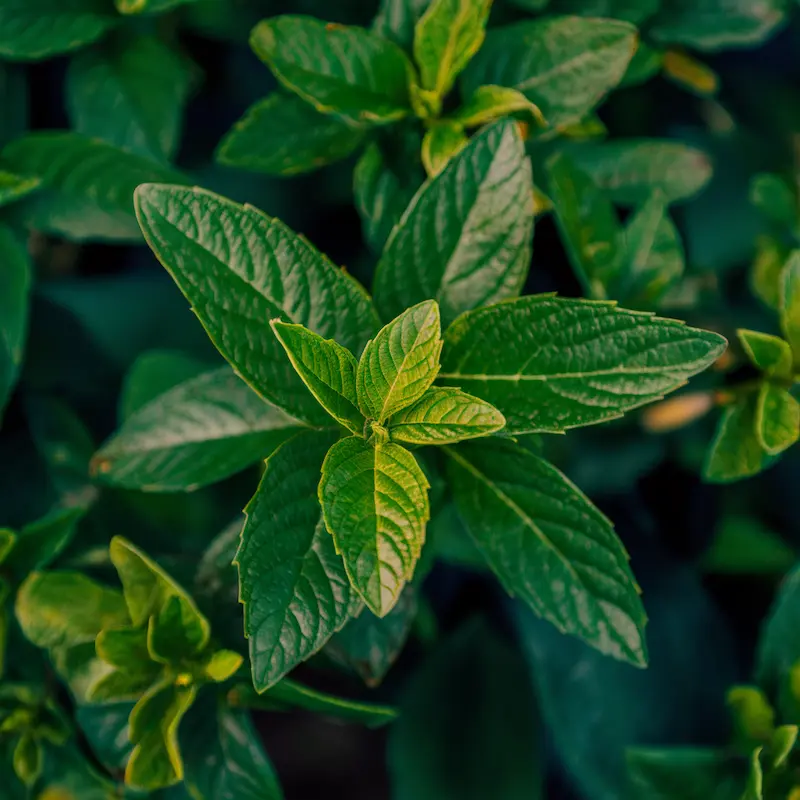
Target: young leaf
(755,780)
(345,70)
(375,505)
(400,363)
(523,358)
(790,300)
(444,416)
(441,143)
(488,103)
(13,187)
(481,252)
(121,685)
(197,433)
(38,543)
(774,198)
(28,759)
(144,80)
(125,648)
(327,368)
(549,545)
(177,632)
(564,65)
(777,418)
(397,20)
(239,269)
(292,582)
(222,665)
(283,135)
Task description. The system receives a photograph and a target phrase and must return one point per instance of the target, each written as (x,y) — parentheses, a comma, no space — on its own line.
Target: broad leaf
(465,239)
(789,294)
(397,19)
(13,187)
(177,632)
(440,144)
(564,65)
(327,368)
(375,505)
(770,354)
(239,269)
(445,416)
(283,135)
(400,363)
(346,70)
(523,358)
(38,543)
(549,545)
(120,685)
(777,418)
(488,103)
(200,432)
(87,185)
(292,582)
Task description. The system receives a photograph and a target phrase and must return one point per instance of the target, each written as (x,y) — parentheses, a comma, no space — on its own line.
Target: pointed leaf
(177,633)
(13,187)
(755,780)
(777,418)
(441,143)
(28,759)
(488,103)
(790,300)
(40,542)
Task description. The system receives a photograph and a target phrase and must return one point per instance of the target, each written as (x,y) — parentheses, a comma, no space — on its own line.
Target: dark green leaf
(13,187)
(148,6)
(28,759)
(774,198)
(40,542)
(777,418)
(397,19)
(120,685)
(744,546)
(635,11)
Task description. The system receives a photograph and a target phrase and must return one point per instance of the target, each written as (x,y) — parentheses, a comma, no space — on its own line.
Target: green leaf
(327,368)
(397,19)
(125,648)
(522,357)
(482,252)
(197,433)
(441,143)
(144,80)
(13,187)
(635,11)
(446,38)
(222,665)
(755,780)
(36,29)
(790,300)
(283,135)
(770,354)
(753,716)
(15,100)
(400,363)
(239,269)
(468,725)
(292,582)
(375,505)
(28,759)
(148,6)
(345,70)
(177,632)
(445,416)
(716,24)
(120,685)
(631,170)
(743,545)
(7,541)
(646,63)
(488,103)
(774,198)
(87,185)
(549,545)
(777,418)
(765,274)
(564,65)
(41,542)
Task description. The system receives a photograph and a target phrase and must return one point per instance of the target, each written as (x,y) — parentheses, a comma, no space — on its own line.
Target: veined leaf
(488,103)
(635,11)
(549,545)
(550,379)
(197,433)
(292,582)
(445,416)
(327,368)
(397,19)
(564,65)
(789,293)
(770,354)
(13,187)
(239,269)
(125,648)
(375,505)
(440,144)
(465,239)
(777,418)
(346,70)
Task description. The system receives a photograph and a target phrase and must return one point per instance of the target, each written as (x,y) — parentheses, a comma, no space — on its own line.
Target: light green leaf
(87,185)
(40,542)
(777,418)
(546,382)
(631,170)
(445,416)
(375,505)
(765,273)
(34,29)
(440,144)
(197,433)
(125,648)
(13,187)
(144,80)
(488,103)
(753,716)
(222,665)
(120,685)
(239,269)
(790,300)
(177,632)
(283,135)
(397,19)
(482,253)
(292,582)
(400,363)
(635,11)
(770,354)
(7,541)
(564,65)
(782,744)
(327,368)
(775,199)
(446,38)
(28,759)
(549,545)
(345,70)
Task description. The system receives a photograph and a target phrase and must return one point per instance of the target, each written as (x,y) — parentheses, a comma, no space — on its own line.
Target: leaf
(774,198)
(690,73)
(397,19)
(345,70)
(148,6)
(646,63)
(327,368)
(375,505)
(222,665)
(777,418)
(465,239)
(789,289)
(468,725)
(488,103)
(35,29)
(14,99)
(716,24)
(239,269)
(13,187)
(446,38)
(27,759)
(40,542)
(197,433)
(770,354)
(765,274)
(445,416)
(144,80)
(753,716)
(440,144)
(564,65)
(87,185)
(631,170)
(177,632)
(523,358)
(125,648)
(292,582)
(120,685)
(635,11)
(753,789)
(549,545)
(283,135)
(744,546)
(782,744)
